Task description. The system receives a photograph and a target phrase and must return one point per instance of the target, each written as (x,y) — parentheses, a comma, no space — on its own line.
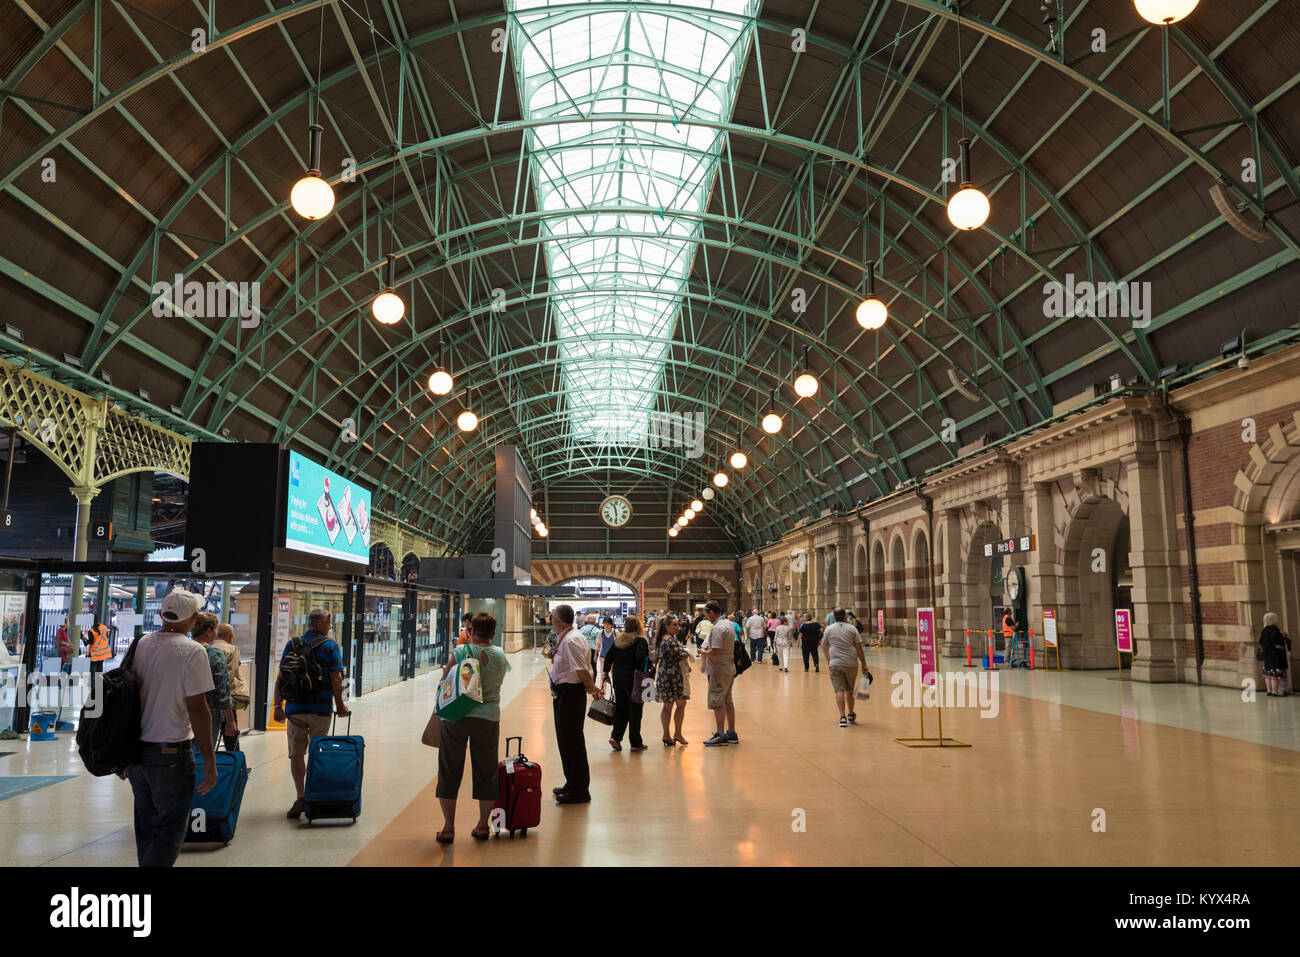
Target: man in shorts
(843,655)
(311,719)
(719,654)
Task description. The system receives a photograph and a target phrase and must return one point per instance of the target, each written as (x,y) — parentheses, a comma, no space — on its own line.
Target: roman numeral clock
(616,511)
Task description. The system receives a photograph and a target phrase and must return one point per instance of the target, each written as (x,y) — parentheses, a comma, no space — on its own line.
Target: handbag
(602,709)
(432,736)
(643,684)
(461,690)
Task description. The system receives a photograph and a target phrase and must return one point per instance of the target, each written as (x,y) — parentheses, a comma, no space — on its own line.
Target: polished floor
(1175,775)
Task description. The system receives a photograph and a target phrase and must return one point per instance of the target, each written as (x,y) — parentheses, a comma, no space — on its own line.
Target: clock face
(616,511)
(1013,584)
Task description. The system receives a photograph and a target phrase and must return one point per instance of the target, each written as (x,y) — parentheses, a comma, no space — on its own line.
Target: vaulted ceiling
(614,211)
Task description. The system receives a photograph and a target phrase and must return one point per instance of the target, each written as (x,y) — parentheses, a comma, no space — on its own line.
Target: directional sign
(1011,546)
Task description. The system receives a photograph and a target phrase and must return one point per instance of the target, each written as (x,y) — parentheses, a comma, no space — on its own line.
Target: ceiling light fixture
(720,480)
(688,514)
(739,460)
(872,311)
(312,197)
(441,382)
(672,533)
(805,386)
(772,421)
(467,421)
(697,505)
(707,494)
(1164,12)
(388,307)
(968,208)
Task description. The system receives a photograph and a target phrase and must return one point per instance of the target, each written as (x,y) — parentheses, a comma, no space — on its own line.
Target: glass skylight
(618,261)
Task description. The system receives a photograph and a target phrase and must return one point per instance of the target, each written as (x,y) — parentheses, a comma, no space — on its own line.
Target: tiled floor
(1184,775)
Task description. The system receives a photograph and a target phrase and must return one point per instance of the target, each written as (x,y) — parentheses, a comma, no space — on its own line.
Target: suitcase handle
(518,738)
(334,725)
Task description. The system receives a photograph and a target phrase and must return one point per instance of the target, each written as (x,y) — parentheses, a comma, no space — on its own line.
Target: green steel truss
(466,223)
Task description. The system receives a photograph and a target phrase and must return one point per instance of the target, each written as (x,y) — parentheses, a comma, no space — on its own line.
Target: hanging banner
(1049,627)
(880,622)
(1124,630)
(926,646)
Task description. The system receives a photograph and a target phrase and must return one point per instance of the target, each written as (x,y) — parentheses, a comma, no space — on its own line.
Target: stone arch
(1267,575)
(879,578)
(715,586)
(921,565)
(1089,561)
(896,595)
(861,587)
(973,585)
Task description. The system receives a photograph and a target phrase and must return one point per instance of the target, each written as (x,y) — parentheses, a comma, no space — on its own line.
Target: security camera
(1243,363)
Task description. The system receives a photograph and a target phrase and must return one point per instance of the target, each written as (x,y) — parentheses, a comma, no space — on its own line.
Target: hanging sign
(1011,546)
(926,645)
(1049,627)
(1124,630)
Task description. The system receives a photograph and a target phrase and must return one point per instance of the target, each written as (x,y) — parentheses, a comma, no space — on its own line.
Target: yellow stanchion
(926,742)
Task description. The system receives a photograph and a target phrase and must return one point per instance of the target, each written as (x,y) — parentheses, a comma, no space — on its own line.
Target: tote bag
(462,689)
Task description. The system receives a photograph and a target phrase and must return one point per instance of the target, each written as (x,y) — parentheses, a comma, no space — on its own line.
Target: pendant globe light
(739,460)
(467,421)
(311,197)
(441,382)
(805,384)
(872,311)
(697,505)
(387,307)
(542,530)
(969,207)
(720,480)
(672,533)
(1164,12)
(772,421)
(689,514)
(707,494)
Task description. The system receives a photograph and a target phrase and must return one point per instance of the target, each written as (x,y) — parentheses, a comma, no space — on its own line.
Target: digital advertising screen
(325,513)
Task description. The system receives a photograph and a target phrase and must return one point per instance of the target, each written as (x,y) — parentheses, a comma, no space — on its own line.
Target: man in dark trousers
(810,636)
(571,682)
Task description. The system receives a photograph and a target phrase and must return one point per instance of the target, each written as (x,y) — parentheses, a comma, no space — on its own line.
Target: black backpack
(301,676)
(742,658)
(108,734)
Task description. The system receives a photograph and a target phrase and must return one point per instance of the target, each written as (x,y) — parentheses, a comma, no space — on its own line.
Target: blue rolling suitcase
(213,816)
(334,766)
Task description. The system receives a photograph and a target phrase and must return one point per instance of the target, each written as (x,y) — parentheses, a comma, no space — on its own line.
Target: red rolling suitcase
(519,804)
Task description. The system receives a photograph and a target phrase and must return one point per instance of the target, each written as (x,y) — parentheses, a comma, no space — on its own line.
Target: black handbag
(602,709)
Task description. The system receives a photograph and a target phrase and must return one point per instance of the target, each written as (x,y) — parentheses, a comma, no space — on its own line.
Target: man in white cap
(174,681)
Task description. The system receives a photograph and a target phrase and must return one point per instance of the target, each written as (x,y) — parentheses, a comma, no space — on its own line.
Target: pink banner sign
(1124,630)
(880,621)
(926,645)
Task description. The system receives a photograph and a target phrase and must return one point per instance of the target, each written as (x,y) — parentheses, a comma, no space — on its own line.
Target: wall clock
(616,511)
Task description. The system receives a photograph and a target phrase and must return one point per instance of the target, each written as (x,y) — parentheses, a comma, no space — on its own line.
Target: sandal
(444,838)
(480,835)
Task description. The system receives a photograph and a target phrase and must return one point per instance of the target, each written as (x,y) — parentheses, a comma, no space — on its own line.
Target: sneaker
(852,718)
(844,722)
(295,811)
(717,741)
(731,737)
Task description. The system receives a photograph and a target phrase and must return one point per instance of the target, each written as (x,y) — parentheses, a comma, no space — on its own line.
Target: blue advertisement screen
(326,514)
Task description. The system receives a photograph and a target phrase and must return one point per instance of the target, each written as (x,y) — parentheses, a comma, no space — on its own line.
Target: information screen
(325,513)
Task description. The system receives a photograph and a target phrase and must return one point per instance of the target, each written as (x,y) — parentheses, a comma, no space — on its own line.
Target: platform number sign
(6,520)
(100,531)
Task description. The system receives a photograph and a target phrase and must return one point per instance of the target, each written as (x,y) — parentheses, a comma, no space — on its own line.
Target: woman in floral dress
(668,655)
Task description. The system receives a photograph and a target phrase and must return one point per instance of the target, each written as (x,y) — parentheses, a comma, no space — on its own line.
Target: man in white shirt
(843,655)
(174,680)
(571,681)
(756,629)
(719,654)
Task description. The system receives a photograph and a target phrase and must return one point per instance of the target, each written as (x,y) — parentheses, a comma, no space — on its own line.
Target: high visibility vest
(1008,626)
(99,650)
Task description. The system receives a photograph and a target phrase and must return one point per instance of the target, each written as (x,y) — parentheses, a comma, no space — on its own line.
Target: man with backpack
(311,681)
(174,680)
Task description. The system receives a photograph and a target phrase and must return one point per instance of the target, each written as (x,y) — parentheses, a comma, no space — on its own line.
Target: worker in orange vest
(1008,624)
(100,651)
